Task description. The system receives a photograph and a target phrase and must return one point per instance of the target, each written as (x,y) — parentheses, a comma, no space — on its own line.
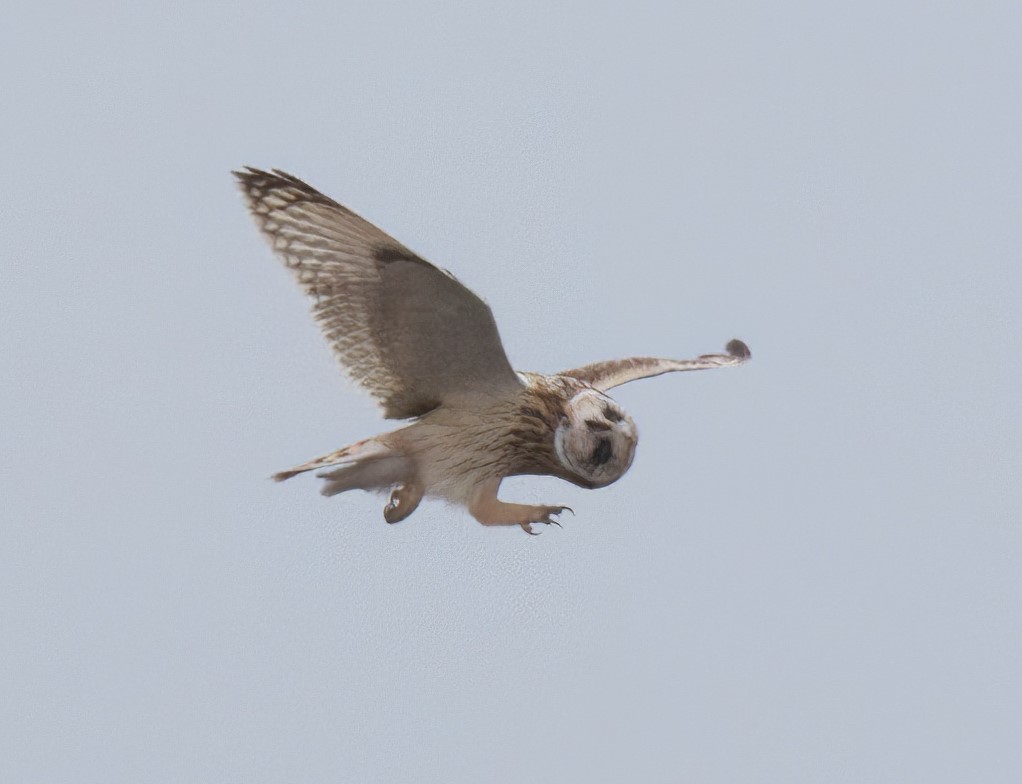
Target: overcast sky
(811,572)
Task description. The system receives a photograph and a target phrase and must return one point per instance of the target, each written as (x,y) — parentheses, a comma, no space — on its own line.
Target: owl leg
(373,464)
(489,510)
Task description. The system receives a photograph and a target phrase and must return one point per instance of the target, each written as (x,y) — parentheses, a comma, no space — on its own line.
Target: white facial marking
(595,439)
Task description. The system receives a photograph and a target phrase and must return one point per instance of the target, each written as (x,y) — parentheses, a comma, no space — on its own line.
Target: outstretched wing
(605,375)
(406,331)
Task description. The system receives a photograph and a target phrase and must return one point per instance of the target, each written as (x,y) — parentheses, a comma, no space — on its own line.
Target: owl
(427,349)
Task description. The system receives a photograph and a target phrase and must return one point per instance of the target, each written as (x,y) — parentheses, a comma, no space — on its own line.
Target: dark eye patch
(595,424)
(611,414)
(603,452)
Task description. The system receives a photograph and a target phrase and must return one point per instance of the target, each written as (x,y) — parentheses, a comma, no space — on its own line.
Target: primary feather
(406,331)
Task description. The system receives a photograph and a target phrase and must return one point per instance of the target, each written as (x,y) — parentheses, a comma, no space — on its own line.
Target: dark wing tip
(738,349)
(254,182)
(247,173)
(271,177)
(250,182)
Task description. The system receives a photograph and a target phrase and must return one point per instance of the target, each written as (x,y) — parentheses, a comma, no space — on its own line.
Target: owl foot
(489,510)
(545,517)
(403,500)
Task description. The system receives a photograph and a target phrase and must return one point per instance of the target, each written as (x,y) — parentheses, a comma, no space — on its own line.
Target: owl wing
(406,331)
(614,372)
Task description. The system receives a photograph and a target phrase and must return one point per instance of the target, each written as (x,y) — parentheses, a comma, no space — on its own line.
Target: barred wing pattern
(614,372)
(406,331)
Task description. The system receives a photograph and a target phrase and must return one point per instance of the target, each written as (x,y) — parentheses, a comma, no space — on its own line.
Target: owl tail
(367,465)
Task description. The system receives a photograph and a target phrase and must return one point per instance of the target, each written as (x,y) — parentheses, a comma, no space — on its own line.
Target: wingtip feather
(737,349)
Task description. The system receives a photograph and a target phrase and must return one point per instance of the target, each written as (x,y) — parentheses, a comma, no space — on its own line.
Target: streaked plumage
(426,348)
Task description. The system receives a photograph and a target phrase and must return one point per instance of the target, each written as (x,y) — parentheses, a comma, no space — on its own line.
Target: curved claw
(548,518)
(544,515)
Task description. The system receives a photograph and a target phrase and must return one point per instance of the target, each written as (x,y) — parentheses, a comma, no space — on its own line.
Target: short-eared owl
(427,349)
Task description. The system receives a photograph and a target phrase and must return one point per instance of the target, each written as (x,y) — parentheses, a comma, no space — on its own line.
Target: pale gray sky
(811,572)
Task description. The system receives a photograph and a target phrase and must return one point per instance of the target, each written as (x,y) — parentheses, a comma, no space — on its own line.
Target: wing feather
(405,330)
(614,372)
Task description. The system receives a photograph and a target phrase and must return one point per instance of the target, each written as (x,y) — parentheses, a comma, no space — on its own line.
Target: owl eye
(602,453)
(611,414)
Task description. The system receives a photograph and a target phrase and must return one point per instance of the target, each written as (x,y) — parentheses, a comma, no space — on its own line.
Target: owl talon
(557,510)
(403,500)
(488,510)
(549,512)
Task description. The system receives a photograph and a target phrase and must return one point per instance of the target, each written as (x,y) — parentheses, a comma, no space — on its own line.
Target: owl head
(595,439)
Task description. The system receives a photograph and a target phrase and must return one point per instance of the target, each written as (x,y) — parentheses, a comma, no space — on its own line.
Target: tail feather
(378,474)
(367,450)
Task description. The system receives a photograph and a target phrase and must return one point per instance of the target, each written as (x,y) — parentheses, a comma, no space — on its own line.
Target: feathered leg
(490,510)
(372,464)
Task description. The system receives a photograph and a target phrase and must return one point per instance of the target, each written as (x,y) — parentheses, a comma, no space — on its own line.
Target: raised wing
(614,372)
(406,331)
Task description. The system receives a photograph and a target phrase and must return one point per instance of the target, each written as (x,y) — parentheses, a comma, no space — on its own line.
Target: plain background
(811,572)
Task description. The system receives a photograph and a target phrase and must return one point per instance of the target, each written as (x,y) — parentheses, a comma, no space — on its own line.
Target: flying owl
(427,349)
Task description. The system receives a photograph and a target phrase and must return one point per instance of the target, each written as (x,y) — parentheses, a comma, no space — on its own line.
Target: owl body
(428,350)
(451,451)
